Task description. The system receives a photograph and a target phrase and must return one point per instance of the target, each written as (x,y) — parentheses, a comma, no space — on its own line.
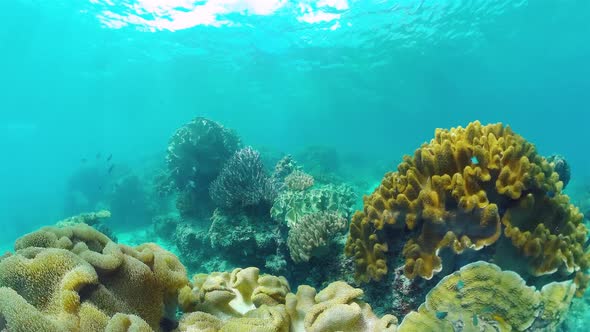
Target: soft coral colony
(468,207)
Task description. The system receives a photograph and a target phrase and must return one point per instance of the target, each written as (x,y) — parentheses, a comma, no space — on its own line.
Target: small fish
(460,285)
(475,320)
(110,157)
(110,169)
(474,160)
(83,160)
(441,314)
(98,155)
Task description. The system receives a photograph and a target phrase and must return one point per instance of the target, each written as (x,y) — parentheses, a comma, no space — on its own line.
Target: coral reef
(298,181)
(94,219)
(244,300)
(465,190)
(74,278)
(562,168)
(291,205)
(196,155)
(242,181)
(283,168)
(314,232)
(481,297)
(257,236)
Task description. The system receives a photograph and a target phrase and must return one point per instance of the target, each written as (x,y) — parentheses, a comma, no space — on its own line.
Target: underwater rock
(164,226)
(467,189)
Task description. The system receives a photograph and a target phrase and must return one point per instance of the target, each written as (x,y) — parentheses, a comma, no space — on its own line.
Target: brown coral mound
(75,279)
(461,191)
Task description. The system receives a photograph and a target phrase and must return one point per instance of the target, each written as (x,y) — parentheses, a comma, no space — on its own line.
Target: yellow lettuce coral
(460,191)
(481,297)
(75,279)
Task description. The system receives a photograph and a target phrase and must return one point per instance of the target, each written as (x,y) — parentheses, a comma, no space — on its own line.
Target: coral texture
(90,218)
(243,300)
(462,191)
(481,297)
(242,181)
(312,233)
(283,168)
(291,205)
(299,180)
(196,154)
(75,279)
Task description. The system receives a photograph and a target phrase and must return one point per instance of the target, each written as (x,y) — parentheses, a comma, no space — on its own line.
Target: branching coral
(75,279)
(481,297)
(312,233)
(242,181)
(196,155)
(461,191)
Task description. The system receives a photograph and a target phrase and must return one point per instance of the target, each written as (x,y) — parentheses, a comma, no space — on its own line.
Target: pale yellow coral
(481,297)
(336,308)
(227,295)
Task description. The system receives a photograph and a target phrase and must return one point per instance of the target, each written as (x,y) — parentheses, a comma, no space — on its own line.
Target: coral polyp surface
(313,233)
(244,300)
(299,181)
(242,181)
(481,297)
(465,189)
(75,279)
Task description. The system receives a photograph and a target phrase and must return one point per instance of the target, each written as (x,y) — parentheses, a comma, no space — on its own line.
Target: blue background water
(374,78)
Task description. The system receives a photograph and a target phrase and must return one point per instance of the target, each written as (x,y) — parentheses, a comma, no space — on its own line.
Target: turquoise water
(82,80)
